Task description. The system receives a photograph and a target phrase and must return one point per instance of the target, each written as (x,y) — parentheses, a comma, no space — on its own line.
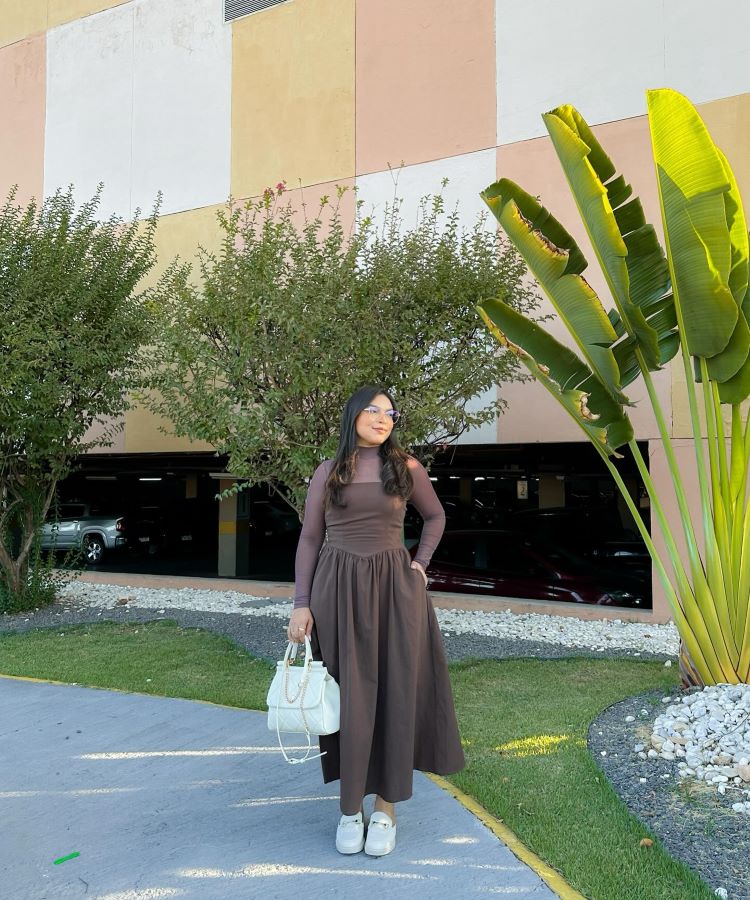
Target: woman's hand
(300,624)
(416,565)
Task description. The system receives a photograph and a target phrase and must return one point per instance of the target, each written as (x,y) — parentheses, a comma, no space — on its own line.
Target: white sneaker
(381,834)
(350,835)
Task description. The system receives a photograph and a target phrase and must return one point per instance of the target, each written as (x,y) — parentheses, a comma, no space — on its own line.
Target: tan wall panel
(293,96)
(22,108)
(180,235)
(96,431)
(20,19)
(177,235)
(61,11)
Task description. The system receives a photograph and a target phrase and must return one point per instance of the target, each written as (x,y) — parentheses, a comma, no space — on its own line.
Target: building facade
(202,99)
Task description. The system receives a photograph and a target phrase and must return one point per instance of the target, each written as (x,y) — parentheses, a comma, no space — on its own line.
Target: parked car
(458,515)
(84,525)
(157,530)
(595,533)
(504,564)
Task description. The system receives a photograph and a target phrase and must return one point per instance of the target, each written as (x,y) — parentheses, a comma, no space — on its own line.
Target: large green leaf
(556,261)
(700,219)
(737,388)
(626,246)
(562,373)
(740,247)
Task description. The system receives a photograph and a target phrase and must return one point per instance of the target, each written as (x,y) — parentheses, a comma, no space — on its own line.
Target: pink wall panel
(426,76)
(22,107)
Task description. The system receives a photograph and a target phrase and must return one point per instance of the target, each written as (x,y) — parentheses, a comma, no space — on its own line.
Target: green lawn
(523,723)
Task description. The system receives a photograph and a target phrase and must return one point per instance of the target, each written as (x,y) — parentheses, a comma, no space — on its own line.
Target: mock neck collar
(369,451)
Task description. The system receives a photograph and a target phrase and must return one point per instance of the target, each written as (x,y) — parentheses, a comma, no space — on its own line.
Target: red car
(502,564)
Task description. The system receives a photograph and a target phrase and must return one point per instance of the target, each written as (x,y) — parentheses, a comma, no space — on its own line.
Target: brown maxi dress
(377,633)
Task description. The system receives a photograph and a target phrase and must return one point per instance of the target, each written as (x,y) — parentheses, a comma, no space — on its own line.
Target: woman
(363,602)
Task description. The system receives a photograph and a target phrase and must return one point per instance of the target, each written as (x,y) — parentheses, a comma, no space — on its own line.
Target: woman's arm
(430,508)
(311,537)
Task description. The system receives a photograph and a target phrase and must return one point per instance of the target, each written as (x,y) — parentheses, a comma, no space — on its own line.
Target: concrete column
(551,491)
(234,530)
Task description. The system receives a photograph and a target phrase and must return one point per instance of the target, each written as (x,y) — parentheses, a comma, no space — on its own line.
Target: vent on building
(234,9)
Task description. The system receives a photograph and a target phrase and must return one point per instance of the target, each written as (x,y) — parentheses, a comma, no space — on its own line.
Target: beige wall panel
(293,96)
(426,77)
(728,121)
(180,235)
(96,431)
(143,434)
(533,414)
(20,19)
(177,235)
(22,108)
(61,11)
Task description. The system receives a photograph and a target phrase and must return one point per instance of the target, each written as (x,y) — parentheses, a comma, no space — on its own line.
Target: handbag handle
(292,649)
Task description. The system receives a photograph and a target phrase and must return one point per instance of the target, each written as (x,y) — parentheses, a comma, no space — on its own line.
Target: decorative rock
(710,728)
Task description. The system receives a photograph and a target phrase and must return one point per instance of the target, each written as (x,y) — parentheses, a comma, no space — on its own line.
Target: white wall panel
(602,57)
(705,48)
(598,56)
(89,101)
(140,97)
(181,104)
(468,174)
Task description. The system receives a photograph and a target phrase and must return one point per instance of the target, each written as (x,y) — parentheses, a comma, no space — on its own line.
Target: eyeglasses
(393,414)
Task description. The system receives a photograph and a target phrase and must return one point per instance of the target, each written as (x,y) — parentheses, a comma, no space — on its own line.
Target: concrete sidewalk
(166,798)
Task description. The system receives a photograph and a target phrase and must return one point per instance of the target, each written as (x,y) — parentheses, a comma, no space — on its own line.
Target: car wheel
(93,548)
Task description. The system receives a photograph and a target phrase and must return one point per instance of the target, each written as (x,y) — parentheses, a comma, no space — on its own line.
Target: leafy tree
(71,326)
(288,319)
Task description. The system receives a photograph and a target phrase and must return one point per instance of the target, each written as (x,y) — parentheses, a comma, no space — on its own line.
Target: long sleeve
(430,508)
(311,537)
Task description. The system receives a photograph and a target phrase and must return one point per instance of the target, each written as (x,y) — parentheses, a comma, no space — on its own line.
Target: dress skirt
(376,631)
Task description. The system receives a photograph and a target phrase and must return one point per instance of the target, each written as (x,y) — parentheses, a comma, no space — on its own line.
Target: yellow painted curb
(549,875)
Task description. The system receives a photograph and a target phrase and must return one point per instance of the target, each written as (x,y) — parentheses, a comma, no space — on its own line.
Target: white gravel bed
(708,731)
(567,631)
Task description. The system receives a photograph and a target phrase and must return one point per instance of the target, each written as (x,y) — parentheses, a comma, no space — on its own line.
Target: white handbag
(314,707)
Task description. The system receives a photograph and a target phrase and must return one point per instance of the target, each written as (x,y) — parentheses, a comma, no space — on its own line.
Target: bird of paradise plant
(693,300)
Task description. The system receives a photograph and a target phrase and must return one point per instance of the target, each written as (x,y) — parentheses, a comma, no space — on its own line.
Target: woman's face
(373,429)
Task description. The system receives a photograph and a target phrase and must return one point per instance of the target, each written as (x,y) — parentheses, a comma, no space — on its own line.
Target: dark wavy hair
(395,474)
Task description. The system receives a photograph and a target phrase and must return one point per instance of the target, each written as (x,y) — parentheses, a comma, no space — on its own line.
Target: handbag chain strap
(300,693)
